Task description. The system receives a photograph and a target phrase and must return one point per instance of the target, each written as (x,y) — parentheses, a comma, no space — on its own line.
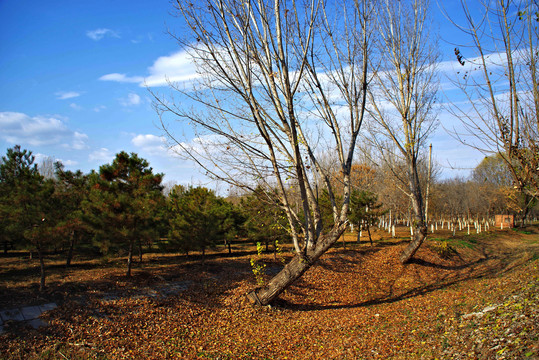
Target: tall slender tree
(403,99)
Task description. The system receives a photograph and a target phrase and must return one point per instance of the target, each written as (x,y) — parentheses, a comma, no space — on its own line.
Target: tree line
(124,208)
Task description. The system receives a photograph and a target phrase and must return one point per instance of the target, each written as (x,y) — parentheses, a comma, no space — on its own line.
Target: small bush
(444,249)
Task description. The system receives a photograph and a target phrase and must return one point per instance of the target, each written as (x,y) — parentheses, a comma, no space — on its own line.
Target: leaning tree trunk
(295,269)
(369,232)
(420,228)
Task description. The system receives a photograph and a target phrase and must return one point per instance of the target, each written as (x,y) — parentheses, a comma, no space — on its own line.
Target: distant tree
(265,221)
(25,204)
(493,170)
(231,222)
(178,233)
(71,189)
(123,204)
(198,219)
(364,210)
(47,168)
(496,180)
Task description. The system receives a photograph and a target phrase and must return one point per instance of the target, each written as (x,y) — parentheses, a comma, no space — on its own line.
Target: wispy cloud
(131,100)
(121,78)
(79,141)
(102,156)
(19,128)
(69,162)
(63,95)
(99,34)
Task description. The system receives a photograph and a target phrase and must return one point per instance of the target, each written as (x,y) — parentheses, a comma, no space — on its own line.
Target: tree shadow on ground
(156,279)
(485,266)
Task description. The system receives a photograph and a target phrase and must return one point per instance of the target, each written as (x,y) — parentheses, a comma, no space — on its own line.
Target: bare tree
(499,81)
(279,83)
(46,168)
(403,100)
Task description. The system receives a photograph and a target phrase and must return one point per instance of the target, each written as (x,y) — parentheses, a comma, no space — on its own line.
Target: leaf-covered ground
(479,301)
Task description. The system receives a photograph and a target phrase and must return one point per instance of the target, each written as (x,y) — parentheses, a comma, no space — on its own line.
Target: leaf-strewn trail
(358,303)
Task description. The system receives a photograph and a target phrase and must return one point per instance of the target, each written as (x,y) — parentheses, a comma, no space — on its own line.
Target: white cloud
(151,144)
(102,156)
(99,34)
(75,106)
(122,78)
(131,100)
(69,162)
(62,95)
(99,108)
(178,67)
(19,128)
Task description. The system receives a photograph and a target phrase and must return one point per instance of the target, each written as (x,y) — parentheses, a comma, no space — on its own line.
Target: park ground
(464,297)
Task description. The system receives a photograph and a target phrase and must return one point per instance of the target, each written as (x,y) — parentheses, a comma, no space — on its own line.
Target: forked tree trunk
(294,269)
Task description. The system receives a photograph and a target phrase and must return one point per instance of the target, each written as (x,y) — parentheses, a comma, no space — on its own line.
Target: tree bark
(369,232)
(294,269)
(42,269)
(529,202)
(420,228)
(130,258)
(70,251)
(420,233)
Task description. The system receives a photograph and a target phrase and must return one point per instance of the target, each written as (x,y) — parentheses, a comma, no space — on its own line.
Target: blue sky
(73,75)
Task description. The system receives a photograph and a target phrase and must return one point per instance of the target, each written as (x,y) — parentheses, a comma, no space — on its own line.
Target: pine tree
(25,204)
(265,221)
(123,204)
(71,188)
(364,210)
(198,219)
